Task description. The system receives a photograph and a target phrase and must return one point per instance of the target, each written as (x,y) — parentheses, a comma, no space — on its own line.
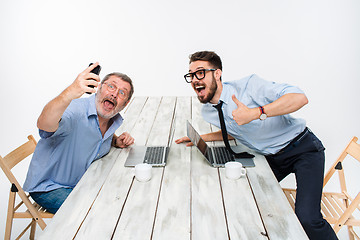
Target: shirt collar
(225,94)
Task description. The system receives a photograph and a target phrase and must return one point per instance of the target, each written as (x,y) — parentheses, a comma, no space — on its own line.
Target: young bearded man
(256,112)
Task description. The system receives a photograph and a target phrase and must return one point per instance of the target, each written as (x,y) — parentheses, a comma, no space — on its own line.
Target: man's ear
(98,89)
(218,74)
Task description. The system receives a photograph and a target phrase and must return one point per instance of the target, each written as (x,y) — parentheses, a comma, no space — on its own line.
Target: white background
(310,44)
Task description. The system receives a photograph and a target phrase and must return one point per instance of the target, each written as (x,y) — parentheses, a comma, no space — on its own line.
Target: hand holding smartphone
(96,70)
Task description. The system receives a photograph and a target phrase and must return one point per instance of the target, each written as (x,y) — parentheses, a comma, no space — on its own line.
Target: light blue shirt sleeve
(268,136)
(262,90)
(65,126)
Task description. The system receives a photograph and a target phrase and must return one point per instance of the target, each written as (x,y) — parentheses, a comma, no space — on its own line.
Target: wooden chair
(338,208)
(33,210)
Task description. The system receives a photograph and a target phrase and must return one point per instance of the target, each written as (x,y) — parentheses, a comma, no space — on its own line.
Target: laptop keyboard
(222,155)
(154,155)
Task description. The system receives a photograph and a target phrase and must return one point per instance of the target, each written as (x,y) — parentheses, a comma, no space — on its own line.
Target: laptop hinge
(164,155)
(212,157)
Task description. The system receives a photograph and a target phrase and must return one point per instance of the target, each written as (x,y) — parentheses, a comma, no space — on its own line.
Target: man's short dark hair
(208,56)
(124,77)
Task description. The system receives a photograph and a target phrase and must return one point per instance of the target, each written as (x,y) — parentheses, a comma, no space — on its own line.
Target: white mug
(234,170)
(143,172)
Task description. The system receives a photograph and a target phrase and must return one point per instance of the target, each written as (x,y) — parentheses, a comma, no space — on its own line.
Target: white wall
(311,44)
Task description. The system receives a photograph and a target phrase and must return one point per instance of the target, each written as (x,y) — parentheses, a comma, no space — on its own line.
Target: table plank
(145,120)
(243,219)
(173,214)
(207,214)
(160,130)
(107,207)
(143,197)
(242,214)
(131,114)
(279,218)
(67,220)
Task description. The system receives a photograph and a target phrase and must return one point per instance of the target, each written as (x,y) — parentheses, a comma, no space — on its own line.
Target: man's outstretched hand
(184,139)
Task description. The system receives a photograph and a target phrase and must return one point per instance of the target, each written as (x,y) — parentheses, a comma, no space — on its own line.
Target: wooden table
(187,199)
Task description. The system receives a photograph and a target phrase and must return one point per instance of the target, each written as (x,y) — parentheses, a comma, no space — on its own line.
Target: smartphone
(96,70)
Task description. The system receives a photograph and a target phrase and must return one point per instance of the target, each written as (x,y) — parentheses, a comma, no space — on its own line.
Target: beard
(106,115)
(210,95)
(101,111)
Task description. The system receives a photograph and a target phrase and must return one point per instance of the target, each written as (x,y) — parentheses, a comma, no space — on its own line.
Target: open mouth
(200,90)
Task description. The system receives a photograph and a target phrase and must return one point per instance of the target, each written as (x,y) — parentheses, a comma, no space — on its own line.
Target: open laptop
(153,155)
(215,156)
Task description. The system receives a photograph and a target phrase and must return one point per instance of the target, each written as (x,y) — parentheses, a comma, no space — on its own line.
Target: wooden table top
(187,199)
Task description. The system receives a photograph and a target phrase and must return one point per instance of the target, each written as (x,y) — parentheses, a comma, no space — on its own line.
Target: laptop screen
(197,140)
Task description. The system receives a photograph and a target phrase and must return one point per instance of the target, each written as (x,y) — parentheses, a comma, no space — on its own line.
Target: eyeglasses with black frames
(112,88)
(199,74)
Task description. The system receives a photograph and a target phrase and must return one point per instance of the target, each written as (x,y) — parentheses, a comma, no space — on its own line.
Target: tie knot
(219,105)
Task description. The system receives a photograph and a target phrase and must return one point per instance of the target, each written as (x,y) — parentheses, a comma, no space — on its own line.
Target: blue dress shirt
(268,136)
(62,157)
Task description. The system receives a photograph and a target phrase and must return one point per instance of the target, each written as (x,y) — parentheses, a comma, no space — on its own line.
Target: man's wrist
(263,115)
(256,113)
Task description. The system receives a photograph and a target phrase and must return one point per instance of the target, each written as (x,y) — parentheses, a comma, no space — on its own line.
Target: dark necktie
(225,134)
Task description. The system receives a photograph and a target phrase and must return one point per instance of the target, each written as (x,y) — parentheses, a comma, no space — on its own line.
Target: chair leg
(351,235)
(10,216)
(33,229)
(354,234)
(347,213)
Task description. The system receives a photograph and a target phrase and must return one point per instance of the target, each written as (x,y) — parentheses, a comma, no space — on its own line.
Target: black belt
(295,141)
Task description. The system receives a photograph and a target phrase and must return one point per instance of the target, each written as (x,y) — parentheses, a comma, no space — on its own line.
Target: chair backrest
(16,156)
(8,162)
(19,154)
(352,149)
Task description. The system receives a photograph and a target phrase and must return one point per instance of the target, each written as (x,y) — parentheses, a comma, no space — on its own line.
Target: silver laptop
(153,155)
(215,156)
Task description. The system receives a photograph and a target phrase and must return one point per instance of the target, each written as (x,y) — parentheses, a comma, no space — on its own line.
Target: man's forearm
(52,112)
(214,136)
(286,104)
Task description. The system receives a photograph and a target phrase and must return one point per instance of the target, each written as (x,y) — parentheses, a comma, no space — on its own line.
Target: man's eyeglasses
(199,74)
(112,88)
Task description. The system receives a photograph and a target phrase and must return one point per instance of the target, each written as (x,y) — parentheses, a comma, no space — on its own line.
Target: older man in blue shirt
(74,133)
(256,112)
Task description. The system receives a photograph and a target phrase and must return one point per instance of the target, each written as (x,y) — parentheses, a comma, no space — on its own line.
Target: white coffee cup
(143,172)
(234,170)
